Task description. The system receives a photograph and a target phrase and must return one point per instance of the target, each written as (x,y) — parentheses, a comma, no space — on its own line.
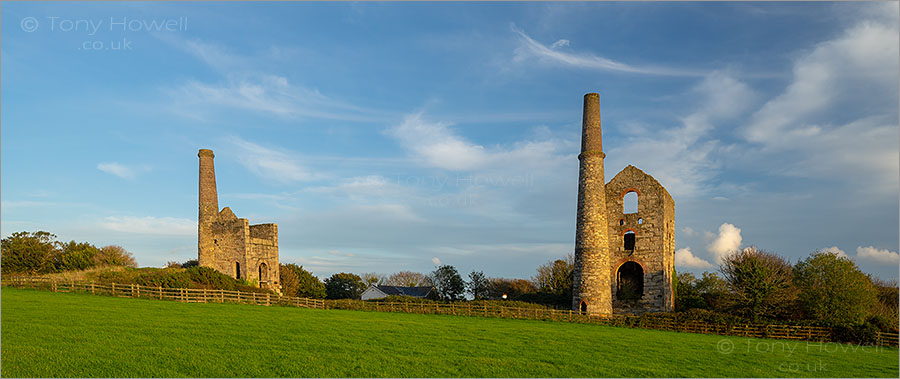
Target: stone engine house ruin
(623,261)
(230,244)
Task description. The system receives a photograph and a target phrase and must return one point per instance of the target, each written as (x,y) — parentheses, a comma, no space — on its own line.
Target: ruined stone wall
(230,244)
(263,255)
(654,247)
(591,276)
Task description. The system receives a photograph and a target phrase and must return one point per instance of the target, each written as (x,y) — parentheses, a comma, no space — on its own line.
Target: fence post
(114,289)
(267,300)
(92,288)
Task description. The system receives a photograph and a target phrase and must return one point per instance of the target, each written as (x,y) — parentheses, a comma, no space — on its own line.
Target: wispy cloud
(802,125)
(245,85)
(120,170)
(531,49)
(270,163)
(151,225)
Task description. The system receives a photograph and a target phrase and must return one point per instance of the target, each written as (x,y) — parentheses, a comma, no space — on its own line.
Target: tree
(74,256)
(290,284)
(477,285)
(707,292)
(190,263)
(114,255)
(373,278)
(344,286)
(556,277)
(833,290)
(760,282)
(28,253)
(407,279)
(296,281)
(447,282)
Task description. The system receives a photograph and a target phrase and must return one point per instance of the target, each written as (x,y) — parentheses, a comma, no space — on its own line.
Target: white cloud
(436,261)
(836,251)
(117,169)
(151,225)
(560,43)
(244,86)
(269,163)
(837,117)
(727,242)
(688,231)
(685,159)
(434,143)
(529,48)
(878,255)
(684,258)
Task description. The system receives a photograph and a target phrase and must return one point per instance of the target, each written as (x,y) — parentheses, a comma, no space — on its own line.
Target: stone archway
(629,281)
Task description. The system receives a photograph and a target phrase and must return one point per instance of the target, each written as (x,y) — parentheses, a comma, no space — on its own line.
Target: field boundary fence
(193,295)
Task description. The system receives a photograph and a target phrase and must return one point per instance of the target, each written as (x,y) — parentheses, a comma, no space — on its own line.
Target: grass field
(48,334)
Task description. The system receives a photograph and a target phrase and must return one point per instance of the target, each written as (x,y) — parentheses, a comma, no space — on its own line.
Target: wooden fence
(185,295)
(792,332)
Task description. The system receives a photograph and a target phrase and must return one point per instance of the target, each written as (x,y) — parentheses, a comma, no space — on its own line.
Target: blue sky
(391,136)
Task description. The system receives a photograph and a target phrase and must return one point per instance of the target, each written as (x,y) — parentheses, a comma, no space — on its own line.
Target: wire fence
(193,295)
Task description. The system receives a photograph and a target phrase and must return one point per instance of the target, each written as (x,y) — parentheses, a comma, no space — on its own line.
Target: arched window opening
(263,272)
(640,221)
(583,307)
(629,240)
(237,270)
(630,202)
(622,221)
(629,281)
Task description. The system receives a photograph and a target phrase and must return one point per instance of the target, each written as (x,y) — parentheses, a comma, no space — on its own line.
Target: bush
(760,282)
(28,253)
(833,291)
(295,281)
(344,286)
(75,256)
(114,255)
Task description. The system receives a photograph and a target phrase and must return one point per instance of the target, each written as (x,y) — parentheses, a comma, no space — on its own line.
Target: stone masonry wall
(654,247)
(230,244)
(591,276)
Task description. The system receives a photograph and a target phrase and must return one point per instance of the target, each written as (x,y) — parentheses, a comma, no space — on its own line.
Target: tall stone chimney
(209,208)
(591,291)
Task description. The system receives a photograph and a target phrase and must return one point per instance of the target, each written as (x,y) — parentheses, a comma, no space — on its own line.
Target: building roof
(405,291)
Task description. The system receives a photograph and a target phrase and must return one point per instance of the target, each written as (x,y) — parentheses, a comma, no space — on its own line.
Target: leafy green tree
(296,281)
(28,253)
(447,282)
(190,263)
(760,282)
(344,286)
(477,285)
(833,290)
(407,279)
(556,277)
(75,256)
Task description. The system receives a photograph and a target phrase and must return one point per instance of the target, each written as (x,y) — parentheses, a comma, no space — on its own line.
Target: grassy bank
(74,335)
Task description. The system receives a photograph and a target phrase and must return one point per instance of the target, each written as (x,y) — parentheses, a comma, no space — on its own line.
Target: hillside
(78,335)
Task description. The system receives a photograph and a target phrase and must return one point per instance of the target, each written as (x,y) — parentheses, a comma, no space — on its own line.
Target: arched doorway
(263,272)
(583,307)
(630,281)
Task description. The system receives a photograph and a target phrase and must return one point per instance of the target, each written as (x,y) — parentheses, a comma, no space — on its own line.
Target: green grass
(79,335)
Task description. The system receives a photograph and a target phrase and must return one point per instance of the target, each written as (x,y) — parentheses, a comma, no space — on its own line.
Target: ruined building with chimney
(624,262)
(230,244)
